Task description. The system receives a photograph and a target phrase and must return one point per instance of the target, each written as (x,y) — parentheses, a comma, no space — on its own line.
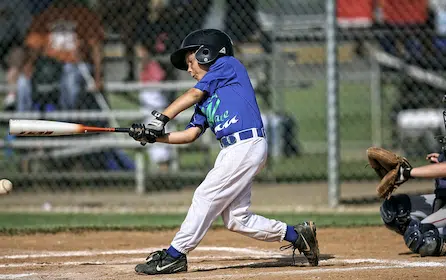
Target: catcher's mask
(442,138)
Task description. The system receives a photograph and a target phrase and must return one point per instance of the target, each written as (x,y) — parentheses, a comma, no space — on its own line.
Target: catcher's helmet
(209,45)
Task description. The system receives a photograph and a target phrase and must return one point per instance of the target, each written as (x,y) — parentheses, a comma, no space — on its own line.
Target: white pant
(422,211)
(226,191)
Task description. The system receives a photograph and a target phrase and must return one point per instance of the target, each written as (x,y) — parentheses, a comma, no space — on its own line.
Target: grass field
(26,223)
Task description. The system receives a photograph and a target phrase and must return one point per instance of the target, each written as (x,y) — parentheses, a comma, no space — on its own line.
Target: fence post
(333,158)
(139,172)
(376,111)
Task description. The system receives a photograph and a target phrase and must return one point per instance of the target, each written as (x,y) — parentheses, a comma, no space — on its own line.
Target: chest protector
(440,183)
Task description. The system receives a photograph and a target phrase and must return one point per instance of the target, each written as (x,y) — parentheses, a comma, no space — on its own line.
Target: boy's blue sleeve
(198,120)
(220,74)
(206,83)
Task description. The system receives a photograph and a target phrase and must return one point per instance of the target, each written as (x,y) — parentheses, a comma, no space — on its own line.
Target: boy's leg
(438,219)
(412,217)
(72,84)
(427,237)
(399,210)
(24,94)
(238,218)
(233,171)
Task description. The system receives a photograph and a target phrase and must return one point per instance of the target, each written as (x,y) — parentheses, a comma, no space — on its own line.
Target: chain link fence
(106,63)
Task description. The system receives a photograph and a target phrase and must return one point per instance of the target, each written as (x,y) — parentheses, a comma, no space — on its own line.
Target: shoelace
(159,253)
(286,247)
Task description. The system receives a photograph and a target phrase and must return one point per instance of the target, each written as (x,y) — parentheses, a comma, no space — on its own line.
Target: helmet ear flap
(205,55)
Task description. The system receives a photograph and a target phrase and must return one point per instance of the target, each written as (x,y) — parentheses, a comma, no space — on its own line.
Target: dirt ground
(347,253)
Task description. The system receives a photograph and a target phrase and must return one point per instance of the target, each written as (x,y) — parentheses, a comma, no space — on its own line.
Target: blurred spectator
(152,71)
(37,6)
(15,18)
(406,21)
(169,21)
(123,17)
(438,24)
(62,37)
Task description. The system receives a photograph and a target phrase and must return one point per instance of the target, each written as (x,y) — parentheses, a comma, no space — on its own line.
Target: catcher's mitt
(388,166)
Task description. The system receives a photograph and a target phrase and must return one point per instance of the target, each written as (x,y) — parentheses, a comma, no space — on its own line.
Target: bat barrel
(54,128)
(42,128)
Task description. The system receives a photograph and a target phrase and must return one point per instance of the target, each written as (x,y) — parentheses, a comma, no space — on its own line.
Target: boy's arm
(189,98)
(181,137)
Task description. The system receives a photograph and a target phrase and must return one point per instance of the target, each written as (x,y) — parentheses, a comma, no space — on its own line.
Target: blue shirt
(230,104)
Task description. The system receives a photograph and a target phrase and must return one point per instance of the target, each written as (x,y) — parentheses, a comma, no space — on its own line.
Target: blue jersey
(230,104)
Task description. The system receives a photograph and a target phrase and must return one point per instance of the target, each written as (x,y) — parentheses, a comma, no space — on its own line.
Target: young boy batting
(225,103)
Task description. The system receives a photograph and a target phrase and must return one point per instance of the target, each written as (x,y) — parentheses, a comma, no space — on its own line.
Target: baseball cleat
(160,262)
(306,242)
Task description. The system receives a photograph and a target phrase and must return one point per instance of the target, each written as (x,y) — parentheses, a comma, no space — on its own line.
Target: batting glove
(140,133)
(157,125)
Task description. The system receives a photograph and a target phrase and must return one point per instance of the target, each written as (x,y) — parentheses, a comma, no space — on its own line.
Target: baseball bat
(55,128)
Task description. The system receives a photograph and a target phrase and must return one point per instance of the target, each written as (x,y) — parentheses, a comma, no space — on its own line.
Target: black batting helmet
(209,45)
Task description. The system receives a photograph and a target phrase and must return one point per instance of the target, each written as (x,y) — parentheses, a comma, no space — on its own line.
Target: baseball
(5,186)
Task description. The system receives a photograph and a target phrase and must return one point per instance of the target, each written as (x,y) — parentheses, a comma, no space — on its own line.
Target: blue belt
(229,140)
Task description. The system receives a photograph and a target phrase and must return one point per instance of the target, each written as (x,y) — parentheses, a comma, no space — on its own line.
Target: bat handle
(122,129)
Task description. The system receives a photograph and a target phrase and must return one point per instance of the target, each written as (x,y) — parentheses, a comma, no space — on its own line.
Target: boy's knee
(424,239)
(238,220)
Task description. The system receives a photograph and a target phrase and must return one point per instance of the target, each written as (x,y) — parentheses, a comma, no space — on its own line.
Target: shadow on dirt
(287,261)
(408,253)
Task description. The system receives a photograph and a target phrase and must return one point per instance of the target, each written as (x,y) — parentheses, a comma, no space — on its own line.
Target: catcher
(421,219)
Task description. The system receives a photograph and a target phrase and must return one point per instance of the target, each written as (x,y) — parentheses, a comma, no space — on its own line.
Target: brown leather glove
(390,168)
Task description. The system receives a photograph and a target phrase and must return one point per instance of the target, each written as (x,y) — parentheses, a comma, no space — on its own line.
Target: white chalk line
(396,262)
(15,276)
(138,260)
(268,273)
(272,274)
(49,254)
